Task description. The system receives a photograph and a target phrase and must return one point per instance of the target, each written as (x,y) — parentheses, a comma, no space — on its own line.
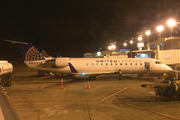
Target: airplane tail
(29,52)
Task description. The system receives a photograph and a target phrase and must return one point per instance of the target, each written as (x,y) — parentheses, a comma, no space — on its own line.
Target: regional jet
(91,67)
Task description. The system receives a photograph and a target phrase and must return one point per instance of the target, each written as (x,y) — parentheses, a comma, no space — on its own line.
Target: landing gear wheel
(41,73)
(9,81)
(92,77)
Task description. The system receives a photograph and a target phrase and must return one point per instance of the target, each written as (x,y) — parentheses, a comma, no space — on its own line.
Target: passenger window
(120,63)
(125,63)
(140,63)
(106,63)
(130,63)
(101,63)
(111,63)
(87,64)
(135,63)
(96,63)
(115,63)
(92,63)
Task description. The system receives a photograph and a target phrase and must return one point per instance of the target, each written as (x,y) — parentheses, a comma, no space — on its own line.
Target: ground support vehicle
(164,91)
(6,73)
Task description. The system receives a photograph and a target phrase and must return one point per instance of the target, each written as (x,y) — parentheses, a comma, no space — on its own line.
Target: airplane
(91,67)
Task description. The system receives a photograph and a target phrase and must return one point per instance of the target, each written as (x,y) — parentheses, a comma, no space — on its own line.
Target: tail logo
(33,54)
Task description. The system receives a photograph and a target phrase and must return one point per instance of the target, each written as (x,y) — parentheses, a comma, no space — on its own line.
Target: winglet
(73,70)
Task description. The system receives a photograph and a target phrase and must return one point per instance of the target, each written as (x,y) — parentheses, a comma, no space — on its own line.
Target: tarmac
(105,98)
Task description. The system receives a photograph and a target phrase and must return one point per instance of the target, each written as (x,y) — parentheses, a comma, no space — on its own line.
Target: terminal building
(166,50)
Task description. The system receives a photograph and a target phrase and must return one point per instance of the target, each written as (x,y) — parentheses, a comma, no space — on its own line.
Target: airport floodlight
(99,53)
(125,44)
(113,46)
(131,46)
(148,32)
(139,38)
(131,41)
(160,28)
(171,23)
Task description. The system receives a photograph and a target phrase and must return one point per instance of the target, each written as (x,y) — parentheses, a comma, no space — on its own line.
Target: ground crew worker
(173,88)
(120,74)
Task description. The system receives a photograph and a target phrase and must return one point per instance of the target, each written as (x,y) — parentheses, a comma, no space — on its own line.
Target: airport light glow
(159,28)
(98,53)
(171,22)
(148,32)
(113,46)
(125,44)
(131,41)
(139,38)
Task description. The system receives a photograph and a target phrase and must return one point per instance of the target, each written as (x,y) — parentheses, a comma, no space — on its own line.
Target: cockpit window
(157,62)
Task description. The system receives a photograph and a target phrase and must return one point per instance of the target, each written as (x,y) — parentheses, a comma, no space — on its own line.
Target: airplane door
(147,66)
(151,66)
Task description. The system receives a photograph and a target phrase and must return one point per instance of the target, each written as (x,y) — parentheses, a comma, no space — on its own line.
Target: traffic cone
(88,87)
(61,83)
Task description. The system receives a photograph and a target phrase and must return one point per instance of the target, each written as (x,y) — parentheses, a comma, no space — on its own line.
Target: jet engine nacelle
(61,62)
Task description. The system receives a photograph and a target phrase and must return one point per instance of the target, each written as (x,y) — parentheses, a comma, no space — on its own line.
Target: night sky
(73,27)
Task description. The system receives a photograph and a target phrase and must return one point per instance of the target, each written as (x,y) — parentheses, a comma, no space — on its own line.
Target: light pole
(171,23)
(139,39)
(131,42)
(159,29)
(113,47)
(148,33)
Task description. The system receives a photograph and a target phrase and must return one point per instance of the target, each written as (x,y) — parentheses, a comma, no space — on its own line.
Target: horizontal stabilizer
(11,41)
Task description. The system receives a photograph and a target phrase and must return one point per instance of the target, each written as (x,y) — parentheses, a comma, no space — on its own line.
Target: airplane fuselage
(104,65)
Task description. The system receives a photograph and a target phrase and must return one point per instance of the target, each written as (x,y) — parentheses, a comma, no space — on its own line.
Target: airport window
(130,63)
(125,63)
(140,63)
